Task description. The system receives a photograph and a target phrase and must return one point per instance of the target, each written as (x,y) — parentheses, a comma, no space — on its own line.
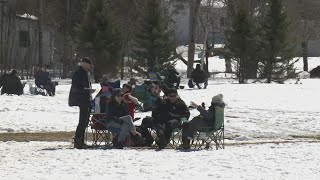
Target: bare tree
(193,24)
(306,23)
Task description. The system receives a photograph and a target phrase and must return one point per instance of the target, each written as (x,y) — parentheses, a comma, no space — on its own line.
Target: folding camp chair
(206,135)
(141,92)
(155,78)
(176,138)
(100,133)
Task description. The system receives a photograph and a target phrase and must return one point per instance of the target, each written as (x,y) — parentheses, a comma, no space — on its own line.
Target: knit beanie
(217,98)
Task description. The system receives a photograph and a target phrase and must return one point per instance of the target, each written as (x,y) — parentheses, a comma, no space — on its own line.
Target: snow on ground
(253,110)
(42,160)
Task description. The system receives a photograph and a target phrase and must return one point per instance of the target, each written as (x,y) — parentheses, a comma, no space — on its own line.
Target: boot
(185,144)
(161,140)
(78,143)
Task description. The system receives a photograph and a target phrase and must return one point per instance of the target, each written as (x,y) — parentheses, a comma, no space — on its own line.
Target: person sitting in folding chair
(198,76)
(172,78)
(43,81)
(129,99)
(206,119)
(118,118)
(166,117)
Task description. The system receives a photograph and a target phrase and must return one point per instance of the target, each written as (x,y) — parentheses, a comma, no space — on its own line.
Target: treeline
(139,34)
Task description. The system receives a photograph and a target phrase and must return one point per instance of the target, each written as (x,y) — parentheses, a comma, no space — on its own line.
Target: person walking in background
(79,95)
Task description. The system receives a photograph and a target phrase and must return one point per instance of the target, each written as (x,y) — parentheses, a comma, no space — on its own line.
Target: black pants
(205,81)
(190,128)
(50,88)
(83,123)
(163,130)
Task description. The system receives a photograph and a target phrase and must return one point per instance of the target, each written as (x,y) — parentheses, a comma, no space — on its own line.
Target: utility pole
(40,28)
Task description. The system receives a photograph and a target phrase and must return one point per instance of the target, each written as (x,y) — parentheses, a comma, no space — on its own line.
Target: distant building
(20,42)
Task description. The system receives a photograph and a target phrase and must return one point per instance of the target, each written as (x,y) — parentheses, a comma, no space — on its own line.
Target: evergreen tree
(153,43)
(276,52)
(241,41)
(99,38)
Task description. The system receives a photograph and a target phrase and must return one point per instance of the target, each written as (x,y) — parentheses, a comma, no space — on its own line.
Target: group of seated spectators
(11,83)
(169,112)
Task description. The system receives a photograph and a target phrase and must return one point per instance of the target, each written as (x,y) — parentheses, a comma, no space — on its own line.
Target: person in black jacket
(118,119)
(43,81)
(206,119)
(11,84)
(79,95)
(166,117)
(199,76)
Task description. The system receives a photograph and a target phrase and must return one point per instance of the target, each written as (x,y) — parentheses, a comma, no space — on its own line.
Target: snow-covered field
(40,160)
(254,113)
(253,110)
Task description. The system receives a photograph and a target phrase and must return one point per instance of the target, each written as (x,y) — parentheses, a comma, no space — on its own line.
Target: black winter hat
(172,91)
(116,92)
(86,60)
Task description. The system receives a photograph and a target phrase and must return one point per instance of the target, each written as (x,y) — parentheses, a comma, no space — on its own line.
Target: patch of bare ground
(41,136)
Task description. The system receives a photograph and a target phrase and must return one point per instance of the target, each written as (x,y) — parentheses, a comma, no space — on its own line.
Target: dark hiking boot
(184,146)
(78,144)
(161,140)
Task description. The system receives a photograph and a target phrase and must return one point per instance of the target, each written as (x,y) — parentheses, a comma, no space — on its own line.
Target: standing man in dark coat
(80,93)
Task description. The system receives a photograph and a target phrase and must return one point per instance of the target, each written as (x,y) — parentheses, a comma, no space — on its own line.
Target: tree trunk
(193,23)
(305,55)
(122,67)
(228,64)
(40,20)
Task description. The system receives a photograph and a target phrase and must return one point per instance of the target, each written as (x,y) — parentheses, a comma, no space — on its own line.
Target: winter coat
(11,85)
(42,78)
(209,116)
(80,89)
(115,110)
(130,104)
(167,111)
(198,75)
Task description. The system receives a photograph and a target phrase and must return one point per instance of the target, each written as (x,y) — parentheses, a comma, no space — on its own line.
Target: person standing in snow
(206,118)
(79,95)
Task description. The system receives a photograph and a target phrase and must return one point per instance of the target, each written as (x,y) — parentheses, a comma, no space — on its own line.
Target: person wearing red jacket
(129,99)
